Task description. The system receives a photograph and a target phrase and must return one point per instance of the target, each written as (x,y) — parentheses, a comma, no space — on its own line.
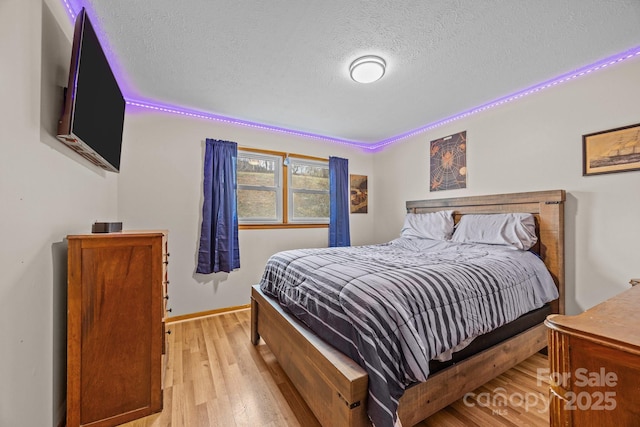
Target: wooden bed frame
(335,387)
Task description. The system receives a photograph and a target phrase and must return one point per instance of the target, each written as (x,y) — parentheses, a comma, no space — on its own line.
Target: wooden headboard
(547,208)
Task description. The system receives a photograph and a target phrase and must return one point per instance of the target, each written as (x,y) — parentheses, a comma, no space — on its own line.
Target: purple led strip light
(366,146)
(70,11)
(73,7)
(517,95)
(245,123)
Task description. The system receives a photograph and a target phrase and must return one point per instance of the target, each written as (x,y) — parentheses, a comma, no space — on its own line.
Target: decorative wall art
(359,197)
(614,150)
(448,163)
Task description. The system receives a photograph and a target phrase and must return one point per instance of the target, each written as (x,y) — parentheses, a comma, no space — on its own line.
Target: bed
(336,388)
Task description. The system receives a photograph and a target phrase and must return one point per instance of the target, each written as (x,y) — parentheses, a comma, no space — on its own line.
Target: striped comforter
(395,306)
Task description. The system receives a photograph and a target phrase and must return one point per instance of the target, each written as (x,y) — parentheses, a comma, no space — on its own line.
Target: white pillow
(432,225)
(512,229)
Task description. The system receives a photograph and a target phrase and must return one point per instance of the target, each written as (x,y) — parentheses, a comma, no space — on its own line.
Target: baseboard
(199,314)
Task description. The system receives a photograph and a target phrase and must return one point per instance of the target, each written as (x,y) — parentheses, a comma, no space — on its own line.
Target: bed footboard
(446,386)
(333,385)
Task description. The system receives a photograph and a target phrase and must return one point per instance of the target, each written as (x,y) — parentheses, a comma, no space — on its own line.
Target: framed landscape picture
(448,162)
(359,197)
(614,150)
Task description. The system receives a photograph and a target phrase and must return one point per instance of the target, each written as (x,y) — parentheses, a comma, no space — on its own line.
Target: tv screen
(93,115)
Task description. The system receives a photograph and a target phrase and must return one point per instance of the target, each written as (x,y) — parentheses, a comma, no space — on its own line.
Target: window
(308,191)
(259,188)
(280,189)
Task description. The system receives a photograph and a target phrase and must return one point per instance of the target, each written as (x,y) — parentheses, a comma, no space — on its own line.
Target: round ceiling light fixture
(367,69)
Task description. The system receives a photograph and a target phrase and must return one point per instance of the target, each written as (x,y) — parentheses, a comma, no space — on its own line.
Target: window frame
(292,191)
(276,188)
(284,196)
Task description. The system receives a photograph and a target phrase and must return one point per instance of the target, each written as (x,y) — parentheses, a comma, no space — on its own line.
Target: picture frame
(610,151)
(359,199)
(448,162)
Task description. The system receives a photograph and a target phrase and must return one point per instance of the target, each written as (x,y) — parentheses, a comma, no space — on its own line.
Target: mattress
(504,332)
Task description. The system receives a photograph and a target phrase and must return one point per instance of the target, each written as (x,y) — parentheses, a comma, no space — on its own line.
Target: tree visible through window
(277,188)
(308,191)
(259,187)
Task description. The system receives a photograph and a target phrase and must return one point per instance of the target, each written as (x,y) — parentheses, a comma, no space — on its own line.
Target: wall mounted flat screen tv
(93,114)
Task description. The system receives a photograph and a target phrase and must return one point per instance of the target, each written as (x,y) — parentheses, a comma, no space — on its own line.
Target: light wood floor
(216,377)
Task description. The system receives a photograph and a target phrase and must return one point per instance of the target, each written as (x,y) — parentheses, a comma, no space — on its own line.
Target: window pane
(307,205)
(254,171)
(257,204)
(309,177)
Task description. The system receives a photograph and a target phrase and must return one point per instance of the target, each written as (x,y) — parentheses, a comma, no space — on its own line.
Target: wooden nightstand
(595,364)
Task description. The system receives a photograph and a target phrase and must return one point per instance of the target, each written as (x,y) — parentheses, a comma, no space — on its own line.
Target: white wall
(536,144)
(46,192)
(160,186)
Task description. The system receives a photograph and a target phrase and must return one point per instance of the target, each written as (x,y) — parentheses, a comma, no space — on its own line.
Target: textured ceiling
(285,62)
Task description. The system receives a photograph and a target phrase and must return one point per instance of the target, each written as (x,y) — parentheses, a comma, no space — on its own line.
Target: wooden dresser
(594,362)
(115,326)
